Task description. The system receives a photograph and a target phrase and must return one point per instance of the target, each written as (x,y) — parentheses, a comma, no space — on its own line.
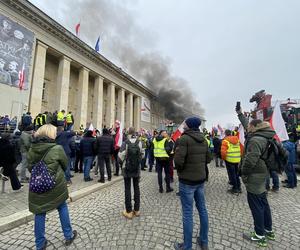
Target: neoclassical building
(63,72)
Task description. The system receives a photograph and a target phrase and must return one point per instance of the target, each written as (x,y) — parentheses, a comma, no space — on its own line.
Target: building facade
(62,72)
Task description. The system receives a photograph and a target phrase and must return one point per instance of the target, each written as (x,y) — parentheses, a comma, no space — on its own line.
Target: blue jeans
(39,225)
(291,175)
(275,179)
(188,194)
(68,170)
(87,163)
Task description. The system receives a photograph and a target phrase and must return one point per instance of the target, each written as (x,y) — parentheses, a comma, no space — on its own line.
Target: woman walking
(44,149)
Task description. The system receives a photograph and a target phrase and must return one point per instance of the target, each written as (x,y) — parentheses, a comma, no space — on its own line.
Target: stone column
(35,102)
(98,103)
(121,106)
(137,113)
(63,82)
(129,111)
(110,113)
(83,86)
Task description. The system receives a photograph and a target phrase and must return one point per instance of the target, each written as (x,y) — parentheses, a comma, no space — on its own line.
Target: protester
(104,147)
(8,161)
(25,143)
(231,154)
(69,121)
(151,150)
(78,167)
(132,152)
(56,161)
(87,152)
(115,131)
(290,168)
(217,151)
(191,158)
(60,119)
(162,149)
(143,138)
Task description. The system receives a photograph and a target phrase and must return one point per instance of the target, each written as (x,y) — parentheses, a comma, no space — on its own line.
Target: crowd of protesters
(131,151)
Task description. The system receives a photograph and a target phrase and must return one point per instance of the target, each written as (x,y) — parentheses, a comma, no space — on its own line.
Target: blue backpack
(41,181)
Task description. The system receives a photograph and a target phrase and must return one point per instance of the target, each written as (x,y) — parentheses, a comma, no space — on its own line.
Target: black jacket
(7,156)
(87,146)
(63,138)
(104,145)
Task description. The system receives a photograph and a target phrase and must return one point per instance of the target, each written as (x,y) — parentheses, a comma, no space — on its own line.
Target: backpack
(41,181)
(133,157)
(274,156)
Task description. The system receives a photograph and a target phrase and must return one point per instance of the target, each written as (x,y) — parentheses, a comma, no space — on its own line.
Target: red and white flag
(277,123)
(178,132)
(241,133)
(221,132)
(22,77)
(77,27)
(119,137)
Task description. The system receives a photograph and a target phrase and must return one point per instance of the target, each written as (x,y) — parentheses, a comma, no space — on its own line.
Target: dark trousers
(233,174)
(163,164)
(261,212)
(10,171)
(101,160)
(144,160)
(291,175)
(136,189)
(275,179)
(117,164)
(151,159)
(78,161)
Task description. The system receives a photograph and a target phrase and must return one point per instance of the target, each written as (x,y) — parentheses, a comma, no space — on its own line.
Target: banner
(16,44)
(145,110)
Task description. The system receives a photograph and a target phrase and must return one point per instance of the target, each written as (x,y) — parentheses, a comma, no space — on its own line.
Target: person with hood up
(162,149)
(231,154)
(290,168)
(56,161)
(192,155)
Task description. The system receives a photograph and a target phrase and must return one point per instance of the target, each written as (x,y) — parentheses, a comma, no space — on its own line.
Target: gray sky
(226,49)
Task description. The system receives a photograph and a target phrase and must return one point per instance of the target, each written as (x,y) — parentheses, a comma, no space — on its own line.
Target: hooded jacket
(56,161)
(224,146)
(191,157)
(253,168)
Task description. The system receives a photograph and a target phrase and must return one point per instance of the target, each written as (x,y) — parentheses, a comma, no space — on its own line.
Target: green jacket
(253,168)
(56,161)
(191,157)
(25,141)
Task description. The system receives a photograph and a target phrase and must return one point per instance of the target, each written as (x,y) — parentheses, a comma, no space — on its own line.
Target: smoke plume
(125,43)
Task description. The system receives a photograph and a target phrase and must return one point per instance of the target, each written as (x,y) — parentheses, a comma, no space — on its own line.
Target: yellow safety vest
(159,148)
(60,116)
(298,128)
(233,152)
(69,118)
(37,121)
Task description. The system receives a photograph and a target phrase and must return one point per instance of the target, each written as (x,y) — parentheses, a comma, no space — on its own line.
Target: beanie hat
(193,122)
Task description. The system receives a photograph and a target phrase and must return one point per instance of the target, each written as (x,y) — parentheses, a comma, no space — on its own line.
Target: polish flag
(119,137)
(178,132)
(221,132)
(77,27)
(91,128)
(241,134)
(22,77)
(277,123)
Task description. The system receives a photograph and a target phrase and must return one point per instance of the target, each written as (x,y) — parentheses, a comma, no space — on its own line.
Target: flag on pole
(77,27)
(221,132)
(178,132)
(277,123)
(22,77)
(97,46)
(241,134)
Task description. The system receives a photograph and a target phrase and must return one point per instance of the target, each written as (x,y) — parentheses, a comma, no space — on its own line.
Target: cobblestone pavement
(98,219)
(12,202)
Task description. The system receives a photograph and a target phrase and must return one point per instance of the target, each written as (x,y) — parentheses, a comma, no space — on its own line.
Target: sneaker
(202,246)
(70,241)
(136,213)
(109,179)
(178,246)
(24,181)
(127,215)
(44,247)
(161,190)
(69,183)
(234,191)
(96,174)
(116,174)
(169,190)
(261,241)
(287,186)
(275,189)
(284,181)
(101,181)
(270,235)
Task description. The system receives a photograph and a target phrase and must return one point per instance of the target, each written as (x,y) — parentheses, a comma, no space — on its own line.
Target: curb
(24,216)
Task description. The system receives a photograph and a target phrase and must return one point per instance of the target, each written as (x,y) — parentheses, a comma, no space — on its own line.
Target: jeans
(163,164)
(39,225)
(291,175)
(233,173)
(78,161)
(144,160)
(261,212)
(24,166)
(188,194)
(136,188)
(87,163)
(101,160)
(69,126)
(68,170)
(72,161)
(275,180)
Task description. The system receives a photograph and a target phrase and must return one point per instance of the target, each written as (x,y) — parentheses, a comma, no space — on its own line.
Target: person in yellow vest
(161,154)
(69,121)
(231,154)
(61,118)
(37,122)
